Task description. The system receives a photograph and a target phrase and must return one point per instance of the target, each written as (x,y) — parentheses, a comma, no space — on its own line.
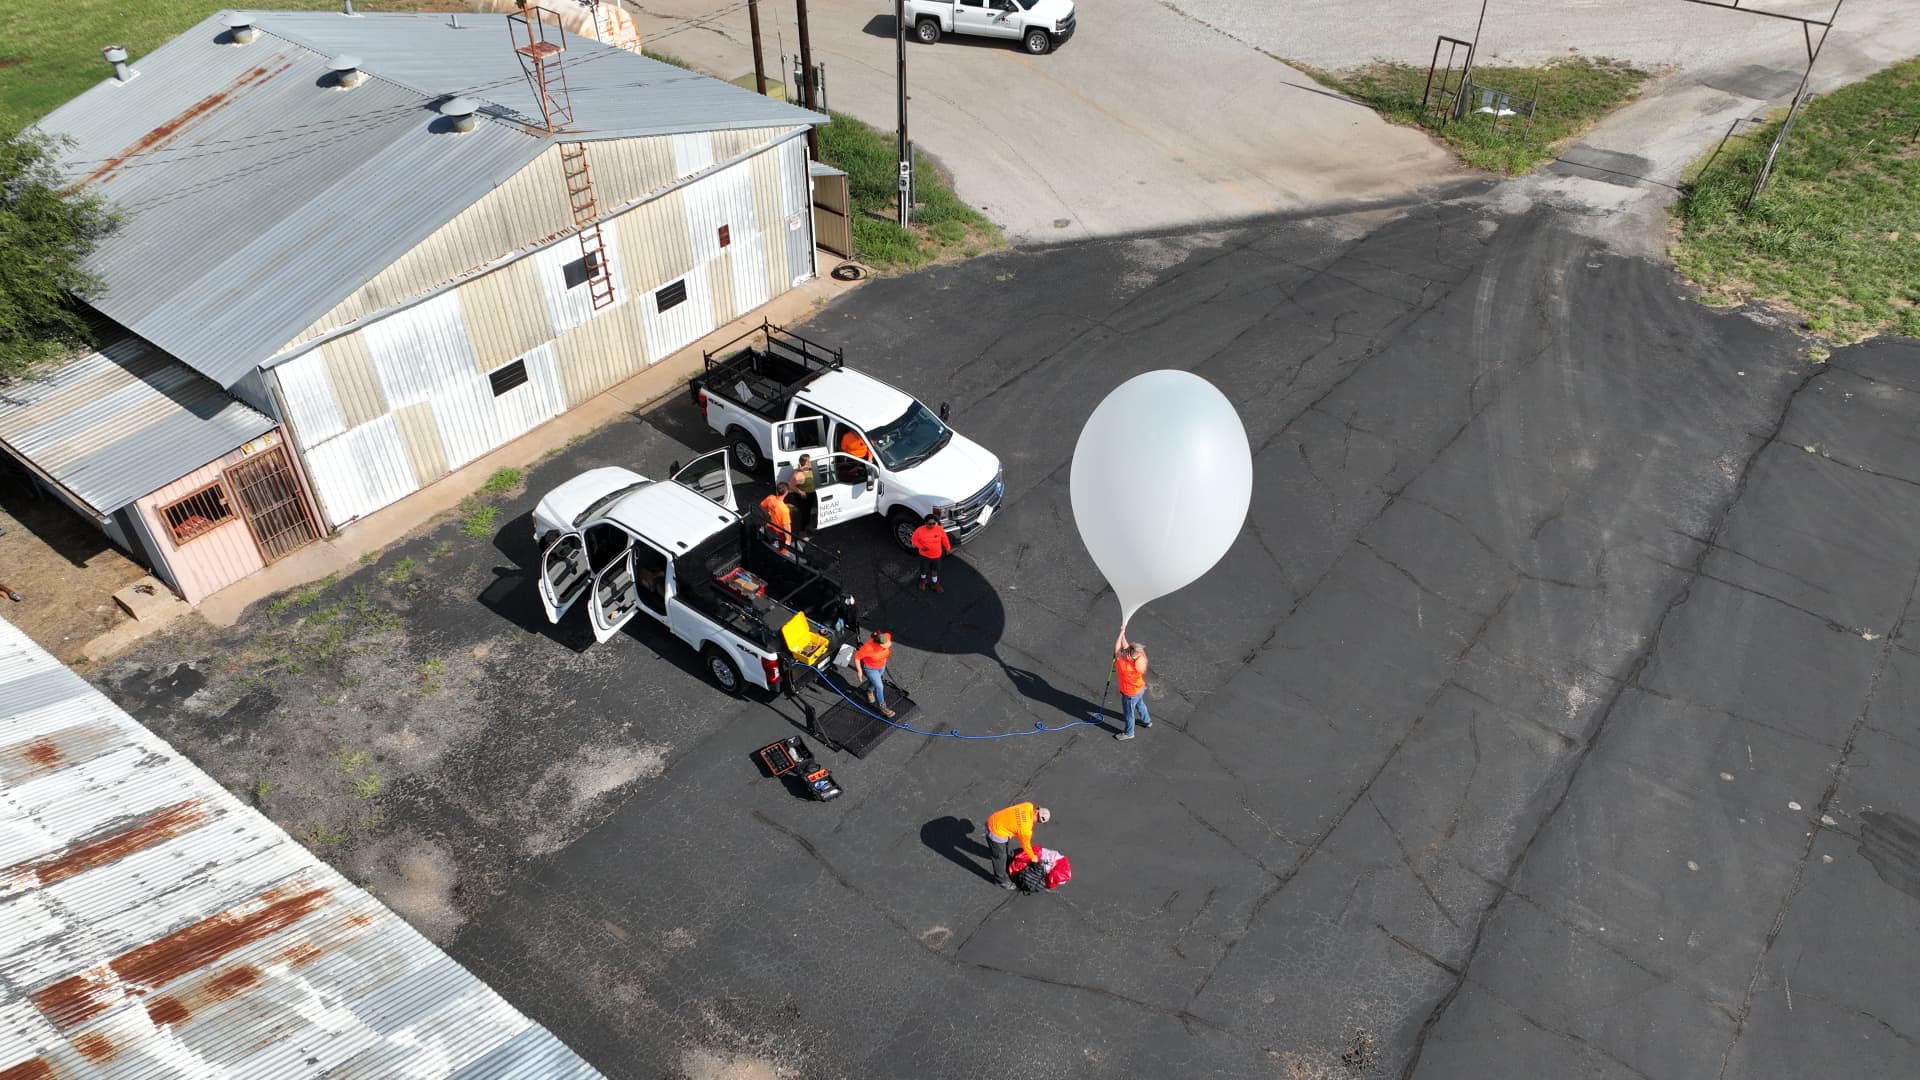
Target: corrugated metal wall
(395,405)
(214,559)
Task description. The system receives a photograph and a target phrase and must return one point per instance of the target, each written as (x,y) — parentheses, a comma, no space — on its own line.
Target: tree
(45,234)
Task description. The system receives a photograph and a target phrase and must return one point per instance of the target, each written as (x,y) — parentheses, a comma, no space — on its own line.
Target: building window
(581,270)
(197,514)
(726,236)
(508,377)
(672,296)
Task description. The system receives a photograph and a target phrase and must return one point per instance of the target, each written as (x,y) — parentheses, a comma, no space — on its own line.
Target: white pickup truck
(1038,25)
(680,551)
(782,396)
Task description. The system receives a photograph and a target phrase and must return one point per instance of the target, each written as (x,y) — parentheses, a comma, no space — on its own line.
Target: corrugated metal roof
(152,925)
(116,424)
(257,195)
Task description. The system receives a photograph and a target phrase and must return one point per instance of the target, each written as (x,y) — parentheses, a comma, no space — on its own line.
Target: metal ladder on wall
(586,218)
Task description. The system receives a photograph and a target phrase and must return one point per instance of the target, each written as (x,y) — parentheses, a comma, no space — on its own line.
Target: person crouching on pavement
(931,541)
(1006,825)
(872,658)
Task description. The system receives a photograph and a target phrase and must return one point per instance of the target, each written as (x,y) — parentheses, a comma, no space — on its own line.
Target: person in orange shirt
(1130,667)
(779,515)
(931,541)
(852,443)
(1012,823)
(872,659)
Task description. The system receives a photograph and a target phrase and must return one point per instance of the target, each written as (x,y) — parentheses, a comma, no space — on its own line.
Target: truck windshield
(913,438)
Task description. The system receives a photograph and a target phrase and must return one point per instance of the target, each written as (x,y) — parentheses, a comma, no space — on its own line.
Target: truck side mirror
(674,469)
(944,410)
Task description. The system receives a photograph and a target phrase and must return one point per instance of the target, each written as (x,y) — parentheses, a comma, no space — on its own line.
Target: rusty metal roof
(152,925)
(257,194)
(115,424)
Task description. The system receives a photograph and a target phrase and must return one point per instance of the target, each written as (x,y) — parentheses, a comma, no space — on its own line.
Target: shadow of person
(953,837)
(1035,688)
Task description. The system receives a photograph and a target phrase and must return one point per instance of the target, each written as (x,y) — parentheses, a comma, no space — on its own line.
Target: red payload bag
(1053,870)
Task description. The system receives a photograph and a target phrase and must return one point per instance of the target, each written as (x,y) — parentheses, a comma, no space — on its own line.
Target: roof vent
(346,71)
(117,56)
(240,28)
(460,112)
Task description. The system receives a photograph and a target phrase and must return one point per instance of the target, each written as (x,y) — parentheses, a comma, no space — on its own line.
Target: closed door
(270,501)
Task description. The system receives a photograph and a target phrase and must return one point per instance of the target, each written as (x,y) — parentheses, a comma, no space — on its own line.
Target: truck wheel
(903,524)
(722,670)
(927,30)
(1039,42)
(744,451)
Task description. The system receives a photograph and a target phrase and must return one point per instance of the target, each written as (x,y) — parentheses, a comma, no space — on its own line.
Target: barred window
(197,514)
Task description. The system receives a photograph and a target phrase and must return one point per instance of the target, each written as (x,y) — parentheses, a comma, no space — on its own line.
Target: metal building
(380,234)
(153,926)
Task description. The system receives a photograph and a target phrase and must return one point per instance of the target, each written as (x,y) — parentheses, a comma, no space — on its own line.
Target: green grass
(501,480)
(1835,237)
(400,572)
(367,786)
(1572,94)
(50,49)
(941,226)
(477,521)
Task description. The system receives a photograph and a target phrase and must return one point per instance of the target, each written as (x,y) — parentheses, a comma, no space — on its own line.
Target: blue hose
(953,733)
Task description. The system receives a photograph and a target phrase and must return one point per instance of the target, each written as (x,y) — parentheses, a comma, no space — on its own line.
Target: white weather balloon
(1161,479)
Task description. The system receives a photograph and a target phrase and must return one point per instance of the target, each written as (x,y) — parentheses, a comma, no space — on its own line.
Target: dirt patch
(703,1064)
(64,570)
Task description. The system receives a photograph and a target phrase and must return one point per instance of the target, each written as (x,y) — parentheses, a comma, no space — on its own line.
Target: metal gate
(270,500)
(832,210)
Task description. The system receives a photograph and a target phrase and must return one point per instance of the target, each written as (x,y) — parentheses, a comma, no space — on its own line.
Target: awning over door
(113,425)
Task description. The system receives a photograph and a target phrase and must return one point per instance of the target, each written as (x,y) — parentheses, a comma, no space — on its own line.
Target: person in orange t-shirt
(931,541)
(852,443)
(1130,668)
(779,514)
(1008,824)
(872,659)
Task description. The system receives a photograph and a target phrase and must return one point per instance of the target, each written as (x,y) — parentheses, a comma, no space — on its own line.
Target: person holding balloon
(1130,668)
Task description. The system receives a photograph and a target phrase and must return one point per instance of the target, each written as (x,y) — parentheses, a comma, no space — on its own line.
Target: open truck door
(709,475)
(616,597)
(563,573)
(792,438)
(847,488)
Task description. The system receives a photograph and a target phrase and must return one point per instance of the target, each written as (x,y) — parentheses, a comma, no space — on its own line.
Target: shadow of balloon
(967,619)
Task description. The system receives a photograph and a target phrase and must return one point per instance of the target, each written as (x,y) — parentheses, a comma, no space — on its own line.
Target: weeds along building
(360,251)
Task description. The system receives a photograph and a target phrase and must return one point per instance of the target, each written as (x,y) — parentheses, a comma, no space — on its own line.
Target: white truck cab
(874,448)
(1038,25)
(680,552)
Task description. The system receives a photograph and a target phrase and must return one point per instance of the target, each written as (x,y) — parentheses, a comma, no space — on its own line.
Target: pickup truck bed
(796,581)
(763,377)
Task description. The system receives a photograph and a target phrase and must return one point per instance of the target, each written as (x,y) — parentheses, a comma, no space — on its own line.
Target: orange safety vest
(1131,679)
(874,655)
(852,443)
(1015,823)
(779,514)
(931,541)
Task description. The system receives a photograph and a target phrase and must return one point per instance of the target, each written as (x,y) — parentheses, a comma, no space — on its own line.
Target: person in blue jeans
(872,659)
(1130,668)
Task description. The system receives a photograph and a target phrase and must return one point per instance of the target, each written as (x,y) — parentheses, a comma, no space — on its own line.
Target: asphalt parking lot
(1550,717)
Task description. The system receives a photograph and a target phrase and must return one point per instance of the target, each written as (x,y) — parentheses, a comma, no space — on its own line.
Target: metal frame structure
(1429,102)
(1799,93)
(541,43)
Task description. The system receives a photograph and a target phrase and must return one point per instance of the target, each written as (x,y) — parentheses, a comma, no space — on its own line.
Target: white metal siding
(682,324)
(361,471)
(570,307)
(797,202)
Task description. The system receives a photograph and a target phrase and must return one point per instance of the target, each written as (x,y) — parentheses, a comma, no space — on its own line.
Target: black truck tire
(744,452)
(722,670)
(901,524)
(1039,42)
(927,31)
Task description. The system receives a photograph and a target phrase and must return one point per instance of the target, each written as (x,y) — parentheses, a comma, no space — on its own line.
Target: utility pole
(806,79)
(759,64)
(1466,77)
(900,88)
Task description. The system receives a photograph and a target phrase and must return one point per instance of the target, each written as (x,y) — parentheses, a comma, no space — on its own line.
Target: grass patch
(668,58)
(1572,94)
(1835,238)
(501,480)
(51,51)
(942,226)
(367,786)
(441,550)
(400,571)
(477,521)
(432,666)
(262,789)
(352,761)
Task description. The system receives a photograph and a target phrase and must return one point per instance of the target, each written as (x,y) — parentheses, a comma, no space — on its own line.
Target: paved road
(1550,718)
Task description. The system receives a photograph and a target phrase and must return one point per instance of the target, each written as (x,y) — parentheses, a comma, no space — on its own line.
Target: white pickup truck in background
(1038,25)
(781,396)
